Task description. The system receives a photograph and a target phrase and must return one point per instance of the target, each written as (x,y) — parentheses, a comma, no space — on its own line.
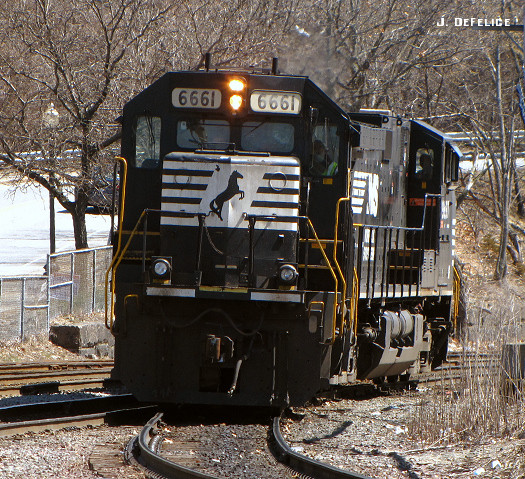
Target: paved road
(24,230)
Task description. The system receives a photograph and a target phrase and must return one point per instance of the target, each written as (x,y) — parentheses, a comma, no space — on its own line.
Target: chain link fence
(74,286)
(23,307)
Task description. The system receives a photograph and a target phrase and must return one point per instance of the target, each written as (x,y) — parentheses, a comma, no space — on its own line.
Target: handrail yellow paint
(457,295)
(336,242)
(310,240)
(339,270)
(119,242)
(312,303)
(113,269)
(332,272)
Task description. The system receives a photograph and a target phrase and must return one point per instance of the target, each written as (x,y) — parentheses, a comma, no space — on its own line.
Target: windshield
(195,133)
(263,136)
(267,136)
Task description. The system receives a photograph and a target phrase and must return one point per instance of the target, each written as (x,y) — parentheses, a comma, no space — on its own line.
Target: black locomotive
(272,246)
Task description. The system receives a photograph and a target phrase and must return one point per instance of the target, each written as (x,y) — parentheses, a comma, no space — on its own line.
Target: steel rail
(25,377)
(11,368)
(66,407)
(145,447)
(56,423)
(49,424)
(49,387)
(47,416)
(305,465)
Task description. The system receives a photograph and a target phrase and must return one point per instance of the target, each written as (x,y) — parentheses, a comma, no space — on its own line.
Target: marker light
(161,268)
(236,85)
(287,273)
(236,101)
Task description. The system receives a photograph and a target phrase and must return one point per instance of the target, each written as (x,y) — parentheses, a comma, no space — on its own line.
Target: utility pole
(51,121)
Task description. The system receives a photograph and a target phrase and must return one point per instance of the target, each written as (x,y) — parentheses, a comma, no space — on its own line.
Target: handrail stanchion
(109,323)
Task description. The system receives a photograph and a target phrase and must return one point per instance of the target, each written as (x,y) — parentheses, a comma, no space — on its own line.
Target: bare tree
(488,109)
(72,55)
(373,54)
(239,33)
(84,58)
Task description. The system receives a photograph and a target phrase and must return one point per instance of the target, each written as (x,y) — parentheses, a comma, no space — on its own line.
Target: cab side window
(325,149)
(147,142)
(452,156)
(424,166)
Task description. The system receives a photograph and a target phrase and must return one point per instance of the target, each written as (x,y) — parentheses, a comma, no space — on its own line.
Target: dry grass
(37,348)
(480,406)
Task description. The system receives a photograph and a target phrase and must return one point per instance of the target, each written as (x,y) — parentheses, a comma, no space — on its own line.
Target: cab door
(424,185)
(325,182)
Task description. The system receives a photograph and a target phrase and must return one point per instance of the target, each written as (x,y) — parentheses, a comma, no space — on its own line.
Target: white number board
(275,102)
(196,98)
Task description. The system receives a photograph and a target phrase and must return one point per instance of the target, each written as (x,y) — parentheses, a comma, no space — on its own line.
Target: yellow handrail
(332,272)
(457,295)
(113,269)
(353,303)
(339,270)
(119,242)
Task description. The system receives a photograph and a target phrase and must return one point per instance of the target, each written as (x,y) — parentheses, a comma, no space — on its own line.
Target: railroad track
(150,450)
(46,416)
(31,378)
(145,449)
(459,364)
(163,454)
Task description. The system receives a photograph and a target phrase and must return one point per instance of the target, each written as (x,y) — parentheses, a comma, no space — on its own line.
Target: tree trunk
(520,202)
(78,214)
(501,263)
(505,176)
(79,229)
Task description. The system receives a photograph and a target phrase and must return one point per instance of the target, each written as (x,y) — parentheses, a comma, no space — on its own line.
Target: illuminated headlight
(287,273)
(236,85)
(236,101)
(161,268)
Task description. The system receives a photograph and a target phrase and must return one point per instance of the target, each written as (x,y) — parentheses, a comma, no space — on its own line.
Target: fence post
(94,279)
(22,301)
(72,271)
(48,296)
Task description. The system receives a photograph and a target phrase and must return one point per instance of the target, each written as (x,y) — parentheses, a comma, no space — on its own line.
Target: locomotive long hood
(225,190)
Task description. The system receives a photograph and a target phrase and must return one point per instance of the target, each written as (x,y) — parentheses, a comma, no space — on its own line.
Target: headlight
(161,268)
(236,84)
(237,87)
(287,273)
(236,102)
